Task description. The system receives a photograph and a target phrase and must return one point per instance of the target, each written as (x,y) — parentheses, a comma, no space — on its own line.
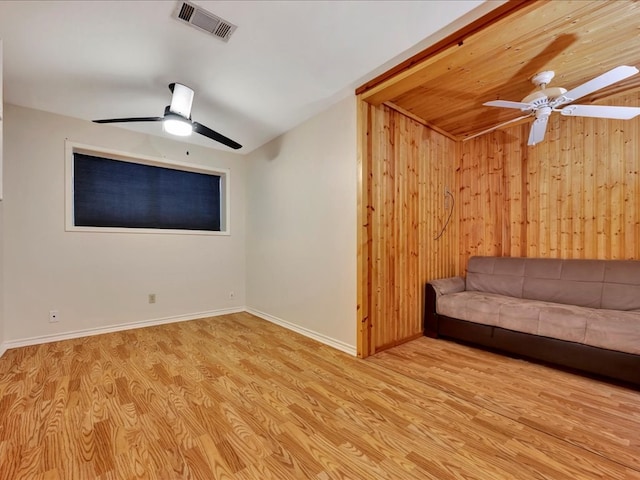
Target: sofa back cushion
(571,282)
(610,284)
(621,289)
(501,275)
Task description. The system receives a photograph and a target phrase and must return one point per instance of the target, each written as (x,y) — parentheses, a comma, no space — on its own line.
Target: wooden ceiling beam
(371,91)
(455,38)
(503,126)
(420,120)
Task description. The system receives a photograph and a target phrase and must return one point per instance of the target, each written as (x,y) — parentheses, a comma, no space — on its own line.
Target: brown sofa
(582,314)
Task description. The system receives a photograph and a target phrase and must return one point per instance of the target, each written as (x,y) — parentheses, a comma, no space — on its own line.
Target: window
(109,191)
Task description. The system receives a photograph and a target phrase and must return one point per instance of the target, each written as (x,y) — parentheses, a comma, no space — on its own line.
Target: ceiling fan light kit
(176,125)
(177,118)
(541,103)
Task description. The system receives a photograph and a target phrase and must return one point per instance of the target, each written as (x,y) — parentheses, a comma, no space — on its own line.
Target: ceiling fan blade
(538,129)
(508,104)
(495,127)
(132,119)
(604,80)
(213,135)
(181,100)
(601,111)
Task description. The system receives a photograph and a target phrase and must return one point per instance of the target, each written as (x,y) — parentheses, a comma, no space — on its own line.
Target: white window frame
(74,147)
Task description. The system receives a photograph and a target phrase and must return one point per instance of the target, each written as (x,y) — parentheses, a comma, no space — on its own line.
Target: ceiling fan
(177,117)
(541,103)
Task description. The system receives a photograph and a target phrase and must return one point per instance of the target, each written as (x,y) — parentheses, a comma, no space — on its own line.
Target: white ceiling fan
(541,103)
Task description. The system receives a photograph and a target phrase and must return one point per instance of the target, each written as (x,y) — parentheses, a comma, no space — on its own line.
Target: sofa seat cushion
(614,330)
(565,322)
(479,307)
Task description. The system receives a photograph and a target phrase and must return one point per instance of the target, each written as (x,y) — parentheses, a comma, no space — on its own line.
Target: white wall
(301,227)
(2,336)
(97,280)
(298,263)
(2,348)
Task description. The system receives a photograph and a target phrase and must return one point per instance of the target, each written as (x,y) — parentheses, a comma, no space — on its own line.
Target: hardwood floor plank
(235,397)
(559,403)
(215,460)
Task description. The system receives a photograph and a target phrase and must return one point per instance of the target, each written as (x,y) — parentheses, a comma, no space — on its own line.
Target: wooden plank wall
(575,195)
(410,166)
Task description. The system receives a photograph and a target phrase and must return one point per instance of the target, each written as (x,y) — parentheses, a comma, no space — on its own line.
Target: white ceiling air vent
(202,20)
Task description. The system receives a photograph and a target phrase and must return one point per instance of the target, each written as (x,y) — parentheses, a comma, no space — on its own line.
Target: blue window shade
(112,193)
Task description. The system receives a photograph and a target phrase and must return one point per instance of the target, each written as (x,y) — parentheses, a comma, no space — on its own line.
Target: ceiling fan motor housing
(544,96)
(543,112)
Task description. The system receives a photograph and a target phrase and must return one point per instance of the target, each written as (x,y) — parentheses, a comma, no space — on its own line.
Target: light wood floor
(239,398)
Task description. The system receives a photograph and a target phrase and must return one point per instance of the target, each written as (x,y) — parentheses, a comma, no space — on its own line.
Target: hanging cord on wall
(453,202)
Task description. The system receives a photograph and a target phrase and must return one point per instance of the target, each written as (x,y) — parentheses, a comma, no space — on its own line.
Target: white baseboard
(114,328)
(332,342)
(337,344)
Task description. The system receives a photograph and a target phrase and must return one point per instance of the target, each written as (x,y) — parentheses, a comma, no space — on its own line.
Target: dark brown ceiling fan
(177,118)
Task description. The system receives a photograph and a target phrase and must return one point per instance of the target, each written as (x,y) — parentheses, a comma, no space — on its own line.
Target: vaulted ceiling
(579,40)
(286,61)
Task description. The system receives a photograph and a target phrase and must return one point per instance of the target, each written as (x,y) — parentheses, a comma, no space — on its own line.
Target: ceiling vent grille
(203,20)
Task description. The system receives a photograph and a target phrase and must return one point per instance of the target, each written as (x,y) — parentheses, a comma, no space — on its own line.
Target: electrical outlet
(54,316)
(232,294)
(152,298)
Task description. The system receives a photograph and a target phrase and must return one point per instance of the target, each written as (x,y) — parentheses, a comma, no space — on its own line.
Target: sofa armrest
(432,291)
(445,286)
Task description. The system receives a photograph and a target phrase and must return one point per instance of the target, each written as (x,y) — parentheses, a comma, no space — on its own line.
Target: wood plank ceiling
(579,40)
